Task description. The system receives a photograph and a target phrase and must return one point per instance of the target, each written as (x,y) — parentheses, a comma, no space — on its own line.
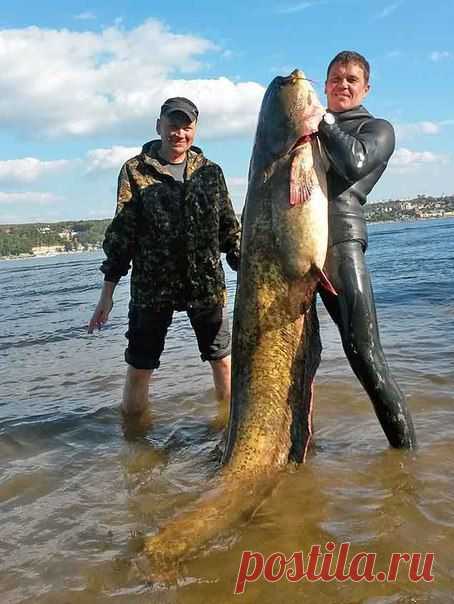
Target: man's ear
(326,82)
(158,126)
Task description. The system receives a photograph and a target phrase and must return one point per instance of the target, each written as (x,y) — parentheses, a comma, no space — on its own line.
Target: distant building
(67,234)
(39,250)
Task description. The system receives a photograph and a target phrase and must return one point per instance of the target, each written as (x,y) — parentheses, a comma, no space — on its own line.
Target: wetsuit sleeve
(119,239)
(229,227)
(354,156)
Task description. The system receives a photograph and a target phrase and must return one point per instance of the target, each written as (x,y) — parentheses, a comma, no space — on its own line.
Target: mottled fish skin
(275,345)
(283,250)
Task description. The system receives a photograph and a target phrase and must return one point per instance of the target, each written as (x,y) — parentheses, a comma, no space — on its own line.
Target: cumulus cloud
(28,169)
(405,131)
(109,159)
(34,197)
(226,108)
(61,82)
(405,160)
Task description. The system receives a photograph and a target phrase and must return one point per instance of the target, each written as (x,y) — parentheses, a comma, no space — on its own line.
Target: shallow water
(74,492)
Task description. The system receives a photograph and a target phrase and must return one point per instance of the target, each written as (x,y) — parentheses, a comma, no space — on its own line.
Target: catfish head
(290,113)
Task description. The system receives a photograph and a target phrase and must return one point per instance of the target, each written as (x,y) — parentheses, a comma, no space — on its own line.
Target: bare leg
(135,392)
(221,377)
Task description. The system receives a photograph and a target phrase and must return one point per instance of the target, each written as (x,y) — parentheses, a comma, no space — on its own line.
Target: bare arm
(103,308)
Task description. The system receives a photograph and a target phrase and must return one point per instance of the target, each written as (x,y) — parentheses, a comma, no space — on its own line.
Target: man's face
(177,133)
(346,86)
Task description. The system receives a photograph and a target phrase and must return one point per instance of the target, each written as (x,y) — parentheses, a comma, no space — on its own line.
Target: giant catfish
(276,345)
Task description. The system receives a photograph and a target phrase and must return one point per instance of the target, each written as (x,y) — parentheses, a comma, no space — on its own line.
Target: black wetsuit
(358,148)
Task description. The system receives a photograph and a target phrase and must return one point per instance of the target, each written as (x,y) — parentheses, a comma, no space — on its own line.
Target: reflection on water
(76,493)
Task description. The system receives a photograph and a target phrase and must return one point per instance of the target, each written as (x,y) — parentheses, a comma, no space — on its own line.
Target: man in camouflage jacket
(173,220)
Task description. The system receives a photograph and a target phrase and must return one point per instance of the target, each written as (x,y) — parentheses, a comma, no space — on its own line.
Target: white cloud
(405,159)
(109,159)
(226,108)
(61,82)
(429,127)
(439,55)
(414,173)
(405,131)
(28,197)
(28,169)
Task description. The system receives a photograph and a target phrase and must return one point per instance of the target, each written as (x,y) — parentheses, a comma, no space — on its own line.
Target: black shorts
(148,329)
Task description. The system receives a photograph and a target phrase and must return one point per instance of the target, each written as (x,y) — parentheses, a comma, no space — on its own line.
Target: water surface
(74,491)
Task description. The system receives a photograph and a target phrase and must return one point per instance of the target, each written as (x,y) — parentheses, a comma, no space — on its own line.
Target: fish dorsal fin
(302,179)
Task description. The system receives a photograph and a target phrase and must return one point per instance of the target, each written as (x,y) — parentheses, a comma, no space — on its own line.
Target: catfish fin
(301,181)
(326,283)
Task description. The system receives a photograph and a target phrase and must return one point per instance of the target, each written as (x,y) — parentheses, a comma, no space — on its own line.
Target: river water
(75,492)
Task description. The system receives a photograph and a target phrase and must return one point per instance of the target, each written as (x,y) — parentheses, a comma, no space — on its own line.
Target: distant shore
(40,240)
(49,255)
(99,248)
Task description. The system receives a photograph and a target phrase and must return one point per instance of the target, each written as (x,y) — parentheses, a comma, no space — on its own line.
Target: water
(74,492)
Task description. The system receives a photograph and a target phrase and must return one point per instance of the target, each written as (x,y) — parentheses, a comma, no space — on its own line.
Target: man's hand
(103,308)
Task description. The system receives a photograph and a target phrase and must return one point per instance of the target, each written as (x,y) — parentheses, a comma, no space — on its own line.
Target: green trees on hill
(90,232)
(69,235)
(21,239)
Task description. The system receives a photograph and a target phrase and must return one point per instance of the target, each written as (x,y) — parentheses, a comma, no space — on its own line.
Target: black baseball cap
(180,103)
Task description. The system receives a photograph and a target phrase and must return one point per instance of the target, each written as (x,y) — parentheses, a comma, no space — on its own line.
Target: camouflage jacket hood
(173,233)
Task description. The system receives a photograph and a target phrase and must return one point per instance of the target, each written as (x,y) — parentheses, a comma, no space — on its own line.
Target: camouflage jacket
(172,232)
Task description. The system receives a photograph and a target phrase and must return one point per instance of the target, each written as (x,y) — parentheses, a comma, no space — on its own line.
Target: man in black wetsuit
(358,147)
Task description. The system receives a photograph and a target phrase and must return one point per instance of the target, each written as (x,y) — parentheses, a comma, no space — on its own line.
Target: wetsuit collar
(350,114)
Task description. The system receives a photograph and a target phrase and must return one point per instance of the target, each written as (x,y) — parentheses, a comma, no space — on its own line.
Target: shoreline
(51,254)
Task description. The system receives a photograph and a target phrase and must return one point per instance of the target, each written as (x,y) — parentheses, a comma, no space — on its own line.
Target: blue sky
(81,84)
